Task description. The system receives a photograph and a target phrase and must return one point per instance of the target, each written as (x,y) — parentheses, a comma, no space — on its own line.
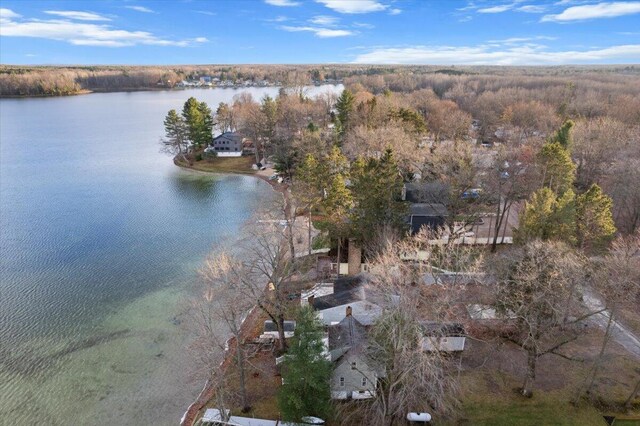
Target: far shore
(117,90)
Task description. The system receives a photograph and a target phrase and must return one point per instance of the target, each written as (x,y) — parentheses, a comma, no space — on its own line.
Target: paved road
(621,334)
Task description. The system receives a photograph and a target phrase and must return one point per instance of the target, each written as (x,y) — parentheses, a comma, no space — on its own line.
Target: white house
(354,376)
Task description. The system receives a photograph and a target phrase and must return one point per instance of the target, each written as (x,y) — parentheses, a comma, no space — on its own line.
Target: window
(364,381)
(341,381)
(354,365)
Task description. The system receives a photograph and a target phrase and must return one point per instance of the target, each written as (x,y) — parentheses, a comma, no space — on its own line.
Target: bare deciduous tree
(533,286)
(269,270)
(221,279)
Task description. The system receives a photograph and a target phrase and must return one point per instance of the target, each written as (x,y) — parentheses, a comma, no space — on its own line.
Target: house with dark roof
(427,208)
(429,215)
(354,376)
(228,144)
(425,192)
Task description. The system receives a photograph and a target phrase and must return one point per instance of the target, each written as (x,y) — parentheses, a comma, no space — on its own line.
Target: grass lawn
(542,409)
(223,165)
(490,378)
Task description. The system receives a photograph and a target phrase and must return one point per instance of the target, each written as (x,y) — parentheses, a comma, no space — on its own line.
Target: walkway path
(621,334)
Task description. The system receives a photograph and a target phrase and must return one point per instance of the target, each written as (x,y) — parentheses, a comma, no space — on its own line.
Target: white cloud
(363,25)
(282,3)
(80,16)
(395,11)
(496,9)
(465,18)
(353,6)
(83,34)
(469,6)
(503,55)
(320,32)
(531,8)
(140,9)
(594,11)
(324,20)
(517,40)
(205,12)
(7,15)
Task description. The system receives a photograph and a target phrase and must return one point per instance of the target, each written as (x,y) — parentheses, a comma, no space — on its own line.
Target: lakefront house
(228,144)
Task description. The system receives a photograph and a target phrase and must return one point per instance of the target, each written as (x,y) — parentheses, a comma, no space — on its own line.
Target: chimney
(348,311)
(310,300)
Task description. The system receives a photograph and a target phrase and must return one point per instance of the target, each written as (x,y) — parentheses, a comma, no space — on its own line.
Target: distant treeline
(68,80)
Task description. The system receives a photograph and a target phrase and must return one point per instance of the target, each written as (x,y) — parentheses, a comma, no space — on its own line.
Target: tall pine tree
(345,106)
(558,170)
(306,372)
(376,189)
(594,221)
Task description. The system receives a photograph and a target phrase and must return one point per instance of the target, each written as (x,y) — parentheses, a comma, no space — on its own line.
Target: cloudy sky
(513,32)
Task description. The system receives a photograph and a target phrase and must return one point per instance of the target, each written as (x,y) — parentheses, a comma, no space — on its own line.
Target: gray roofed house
(360,301)
(228,144)
(354,375)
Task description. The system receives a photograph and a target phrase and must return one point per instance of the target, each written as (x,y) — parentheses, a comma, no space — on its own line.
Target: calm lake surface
(100,238)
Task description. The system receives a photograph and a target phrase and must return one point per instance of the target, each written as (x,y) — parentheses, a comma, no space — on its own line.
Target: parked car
(471,193)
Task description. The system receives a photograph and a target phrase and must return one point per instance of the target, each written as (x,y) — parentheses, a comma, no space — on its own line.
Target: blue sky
(511,32)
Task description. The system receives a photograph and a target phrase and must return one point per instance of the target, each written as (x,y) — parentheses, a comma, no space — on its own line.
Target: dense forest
(423,113)
(66,80)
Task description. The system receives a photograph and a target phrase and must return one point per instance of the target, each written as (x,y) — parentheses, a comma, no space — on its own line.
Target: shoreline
(278,187)
(205,395)
(127,90)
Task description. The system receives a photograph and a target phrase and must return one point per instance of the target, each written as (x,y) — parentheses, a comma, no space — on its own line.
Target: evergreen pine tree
(594,220)
(176,137)
(345,106)
(557,167)
(377,185)
(306,372)
(564,135)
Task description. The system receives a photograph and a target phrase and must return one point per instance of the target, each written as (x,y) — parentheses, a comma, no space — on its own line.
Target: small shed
(443,337)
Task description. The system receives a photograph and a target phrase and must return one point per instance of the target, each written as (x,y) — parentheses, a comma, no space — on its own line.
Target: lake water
(100,237)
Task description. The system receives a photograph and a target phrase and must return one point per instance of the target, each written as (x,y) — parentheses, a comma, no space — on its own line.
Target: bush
(321,241)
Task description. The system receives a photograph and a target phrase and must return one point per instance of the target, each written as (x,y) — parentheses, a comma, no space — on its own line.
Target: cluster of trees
(362,210)
(190,130)
(555,211)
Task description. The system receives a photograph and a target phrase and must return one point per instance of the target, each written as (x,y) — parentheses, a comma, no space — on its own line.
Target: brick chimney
(310,300)
(348,311)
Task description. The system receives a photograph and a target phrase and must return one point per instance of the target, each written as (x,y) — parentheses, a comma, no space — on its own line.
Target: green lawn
(539,410)
(223,165)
